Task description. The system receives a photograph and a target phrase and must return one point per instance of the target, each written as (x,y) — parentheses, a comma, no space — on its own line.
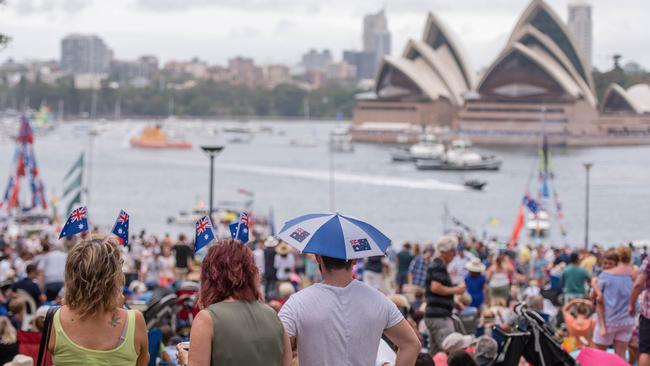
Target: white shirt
(385,354)
(284,266)
(338,325)
(456,268)
(258,254)
(52,265)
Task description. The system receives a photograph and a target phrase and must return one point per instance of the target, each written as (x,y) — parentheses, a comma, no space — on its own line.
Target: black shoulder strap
(45,335)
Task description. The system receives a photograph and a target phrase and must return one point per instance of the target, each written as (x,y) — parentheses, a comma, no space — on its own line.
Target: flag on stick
(239,230)
(204,233)
(121,228)
(77,223)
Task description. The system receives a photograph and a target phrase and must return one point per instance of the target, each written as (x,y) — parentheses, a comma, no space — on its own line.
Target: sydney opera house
(538,84)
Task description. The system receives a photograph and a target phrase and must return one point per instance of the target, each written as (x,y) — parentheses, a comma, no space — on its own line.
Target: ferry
(153,137)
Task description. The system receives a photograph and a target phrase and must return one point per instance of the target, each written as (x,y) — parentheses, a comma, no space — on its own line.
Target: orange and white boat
(153,137)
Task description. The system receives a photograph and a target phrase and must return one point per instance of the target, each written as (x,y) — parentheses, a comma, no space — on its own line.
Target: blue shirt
(475,287)
(616,291)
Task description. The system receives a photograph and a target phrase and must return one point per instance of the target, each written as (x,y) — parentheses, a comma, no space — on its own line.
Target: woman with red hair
(234,326)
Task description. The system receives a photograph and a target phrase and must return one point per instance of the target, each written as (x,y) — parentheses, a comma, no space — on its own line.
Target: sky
(280,31)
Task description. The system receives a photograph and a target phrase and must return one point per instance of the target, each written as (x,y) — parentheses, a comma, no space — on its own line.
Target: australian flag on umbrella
(121,228)
(204,233)
(239,229)
(77,223)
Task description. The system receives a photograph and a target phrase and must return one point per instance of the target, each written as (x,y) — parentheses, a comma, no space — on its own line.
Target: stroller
(162,309)
(533,340)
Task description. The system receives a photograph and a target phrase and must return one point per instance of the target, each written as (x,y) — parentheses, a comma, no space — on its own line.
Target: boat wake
(344,177)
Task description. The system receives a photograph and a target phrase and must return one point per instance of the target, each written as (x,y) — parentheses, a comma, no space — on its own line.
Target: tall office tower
(376,37)
(81,54)
(581,27)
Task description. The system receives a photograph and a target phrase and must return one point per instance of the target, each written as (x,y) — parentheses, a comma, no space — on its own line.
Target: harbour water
(405,203)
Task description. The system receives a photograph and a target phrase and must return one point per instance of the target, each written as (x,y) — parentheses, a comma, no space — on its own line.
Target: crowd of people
(264,303)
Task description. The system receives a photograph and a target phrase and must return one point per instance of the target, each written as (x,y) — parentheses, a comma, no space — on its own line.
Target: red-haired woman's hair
(228,271)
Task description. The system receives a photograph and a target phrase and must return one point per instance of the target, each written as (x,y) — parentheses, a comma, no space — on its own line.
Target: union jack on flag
(204,233)
(77,223)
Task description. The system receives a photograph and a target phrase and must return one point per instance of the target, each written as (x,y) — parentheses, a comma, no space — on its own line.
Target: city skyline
(258,28)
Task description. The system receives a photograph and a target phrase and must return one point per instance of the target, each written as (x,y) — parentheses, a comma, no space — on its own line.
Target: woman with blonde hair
(8,344)
(92,328)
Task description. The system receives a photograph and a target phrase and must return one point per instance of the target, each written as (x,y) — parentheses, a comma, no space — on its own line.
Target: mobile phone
(185,345)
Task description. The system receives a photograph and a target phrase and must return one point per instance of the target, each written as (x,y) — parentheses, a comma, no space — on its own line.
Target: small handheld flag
(239,229)
(204,233)
(121,228)
(77,223)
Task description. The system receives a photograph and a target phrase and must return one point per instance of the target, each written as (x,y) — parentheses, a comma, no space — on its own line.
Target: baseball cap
(456,342)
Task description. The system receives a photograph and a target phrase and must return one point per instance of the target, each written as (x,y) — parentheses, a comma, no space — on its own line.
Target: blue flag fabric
(239,229)
(204,233)
(77,223)
(531,204)
(121,228)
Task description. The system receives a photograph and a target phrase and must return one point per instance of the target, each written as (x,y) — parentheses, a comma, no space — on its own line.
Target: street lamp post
(587,169)
(212,151)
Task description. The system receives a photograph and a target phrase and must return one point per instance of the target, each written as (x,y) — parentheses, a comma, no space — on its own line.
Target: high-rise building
(376,39)
(364,62)
(581,27)
(85,54)
(316,61)
(373,24)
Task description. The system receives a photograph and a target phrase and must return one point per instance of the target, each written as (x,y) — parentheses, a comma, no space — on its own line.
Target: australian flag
(204,233)
(300,234)
(360,245)
(121,228)
(77,223)
(531,204)
(239,229)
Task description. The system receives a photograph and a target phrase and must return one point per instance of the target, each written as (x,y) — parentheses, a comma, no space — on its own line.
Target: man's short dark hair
(31,268)
(574,258)
(335,263)
(406,246)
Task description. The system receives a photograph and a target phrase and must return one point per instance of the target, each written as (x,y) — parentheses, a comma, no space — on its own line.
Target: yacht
(427,149)
(460,156)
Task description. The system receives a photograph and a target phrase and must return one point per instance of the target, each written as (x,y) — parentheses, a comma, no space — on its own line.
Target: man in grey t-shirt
(340,321)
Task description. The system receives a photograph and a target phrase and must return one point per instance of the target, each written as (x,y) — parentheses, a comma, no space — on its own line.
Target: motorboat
(538,224)
(153,137)
(475,184)
(427,149)
(460,156)
(341,140)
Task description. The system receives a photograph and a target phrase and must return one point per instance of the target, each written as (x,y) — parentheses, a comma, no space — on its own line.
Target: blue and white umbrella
(334,235)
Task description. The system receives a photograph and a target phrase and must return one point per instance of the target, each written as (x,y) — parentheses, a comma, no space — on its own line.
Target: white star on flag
(206,236)
(119,230)
(81,226)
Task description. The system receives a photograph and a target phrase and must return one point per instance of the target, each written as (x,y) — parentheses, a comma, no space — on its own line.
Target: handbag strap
(45,335)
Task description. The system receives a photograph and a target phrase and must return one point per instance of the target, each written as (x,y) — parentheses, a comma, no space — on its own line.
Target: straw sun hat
(283,248)
(475,265)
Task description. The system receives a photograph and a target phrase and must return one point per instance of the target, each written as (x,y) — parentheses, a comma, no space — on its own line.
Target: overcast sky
(281,30)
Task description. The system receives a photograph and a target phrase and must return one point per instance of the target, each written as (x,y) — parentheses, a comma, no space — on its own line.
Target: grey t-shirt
(338,325)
